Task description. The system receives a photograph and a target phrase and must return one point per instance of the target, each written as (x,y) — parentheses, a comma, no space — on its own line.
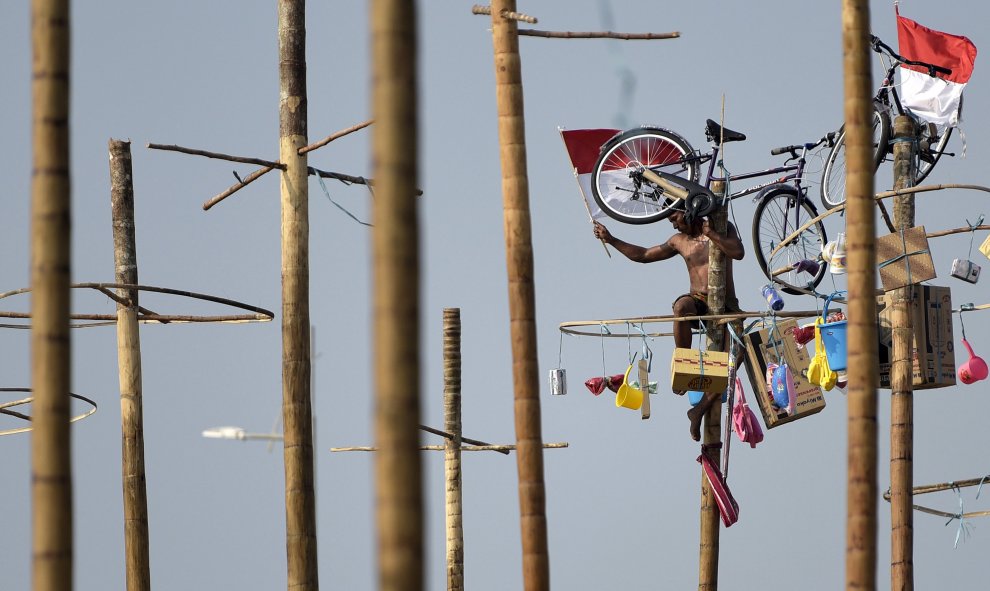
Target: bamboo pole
(861,487)
(51,461)
(712,422)
(522,304)
(452,446)
(297,415)
(902,376)
(395,255)
(136,537)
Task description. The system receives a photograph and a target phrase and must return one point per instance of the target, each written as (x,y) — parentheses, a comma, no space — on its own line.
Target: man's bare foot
(695,417)
(679,392)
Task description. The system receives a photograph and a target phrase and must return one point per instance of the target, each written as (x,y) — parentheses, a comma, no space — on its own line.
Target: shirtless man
(690,242)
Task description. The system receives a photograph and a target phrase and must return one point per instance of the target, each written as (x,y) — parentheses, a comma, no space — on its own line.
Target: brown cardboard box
(934,349)
(897,269)
(701,371)
(760,351)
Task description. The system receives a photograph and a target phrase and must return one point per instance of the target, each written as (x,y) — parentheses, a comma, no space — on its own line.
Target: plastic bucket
(627,396)
(834,341)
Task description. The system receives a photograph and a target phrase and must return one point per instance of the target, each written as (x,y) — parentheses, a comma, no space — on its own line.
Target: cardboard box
(760,351)
(702,371)
(904,259)
(934,350)
(985,247)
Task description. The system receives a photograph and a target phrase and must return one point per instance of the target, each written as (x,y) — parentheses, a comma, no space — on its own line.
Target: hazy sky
(622,500)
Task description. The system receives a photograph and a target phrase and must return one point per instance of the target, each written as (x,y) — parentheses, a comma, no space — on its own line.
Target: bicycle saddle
(714,131)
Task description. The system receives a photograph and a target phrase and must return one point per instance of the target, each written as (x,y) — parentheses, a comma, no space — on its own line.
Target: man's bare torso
(694,251)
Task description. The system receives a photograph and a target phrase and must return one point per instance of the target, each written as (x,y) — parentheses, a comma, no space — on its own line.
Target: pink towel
(727,505)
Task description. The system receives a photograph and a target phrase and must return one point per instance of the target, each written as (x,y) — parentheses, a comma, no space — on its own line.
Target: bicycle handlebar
(793,150)
(881,47)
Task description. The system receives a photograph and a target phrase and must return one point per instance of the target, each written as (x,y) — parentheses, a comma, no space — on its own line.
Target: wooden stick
(499,448)
(334,136)
(450,436)
(598,35)
(957,231)
(136,548)
(506,14)
(50,271)
(452,447)
(237,187)
(217,155)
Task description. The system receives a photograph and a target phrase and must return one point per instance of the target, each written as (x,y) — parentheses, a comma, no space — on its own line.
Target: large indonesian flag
(583,146)
(933,99)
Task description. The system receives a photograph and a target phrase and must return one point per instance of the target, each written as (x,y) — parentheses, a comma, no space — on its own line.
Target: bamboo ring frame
(572,326)
(144,315)
(5,405)
(930,488)
(880,197)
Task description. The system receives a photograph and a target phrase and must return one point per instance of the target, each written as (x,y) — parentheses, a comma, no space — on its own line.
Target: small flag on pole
(583,147)
(933,99)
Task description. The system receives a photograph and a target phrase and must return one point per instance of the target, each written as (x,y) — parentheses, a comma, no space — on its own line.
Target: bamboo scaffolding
(861,482)
(51,266)
(396,280)
(522,299)
(136,548)
(297,412)
(901,375)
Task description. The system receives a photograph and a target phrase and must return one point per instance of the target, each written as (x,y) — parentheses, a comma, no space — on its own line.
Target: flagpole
(584,200)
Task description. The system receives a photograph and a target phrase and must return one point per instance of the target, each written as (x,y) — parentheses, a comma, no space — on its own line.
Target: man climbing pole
(691,242)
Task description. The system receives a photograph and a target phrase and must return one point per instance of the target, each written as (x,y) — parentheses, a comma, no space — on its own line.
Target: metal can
(558,381)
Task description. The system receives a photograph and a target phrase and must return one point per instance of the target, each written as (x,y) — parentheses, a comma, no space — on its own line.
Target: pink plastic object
(973,370)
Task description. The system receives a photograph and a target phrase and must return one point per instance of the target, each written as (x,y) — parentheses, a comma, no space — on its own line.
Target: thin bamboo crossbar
(237,187)
(498,448)
(598,35)
(944,486)
(878,197)
(449,436)
(6,405)
(567,327)
(506,14)
(335,135)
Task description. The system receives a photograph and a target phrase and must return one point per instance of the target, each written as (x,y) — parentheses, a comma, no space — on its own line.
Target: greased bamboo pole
(861,487)
(395,255)
(297,412)
(136,536)
(452,447)
(902,376)
(712,422)
(522,301)
(51,461)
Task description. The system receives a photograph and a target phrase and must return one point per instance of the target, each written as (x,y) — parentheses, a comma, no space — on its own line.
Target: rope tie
(339,206)
(972,233)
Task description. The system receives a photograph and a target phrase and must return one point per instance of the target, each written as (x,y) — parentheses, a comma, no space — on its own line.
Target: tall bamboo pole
(861,487)
(452,447)
(522,300)
(51,463)
(902,377)
(297,412)
(712,423)
(395,246)
(136,543)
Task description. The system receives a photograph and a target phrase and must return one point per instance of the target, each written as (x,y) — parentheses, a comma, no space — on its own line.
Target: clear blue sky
(622,500)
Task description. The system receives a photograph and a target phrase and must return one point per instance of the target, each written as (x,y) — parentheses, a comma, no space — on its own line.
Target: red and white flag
(933,99)
(583,146)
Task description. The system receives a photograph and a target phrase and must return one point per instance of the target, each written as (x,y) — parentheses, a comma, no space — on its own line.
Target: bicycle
(643,175)
(931,142)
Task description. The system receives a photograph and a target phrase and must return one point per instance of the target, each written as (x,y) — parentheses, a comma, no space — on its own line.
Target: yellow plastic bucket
(627,396)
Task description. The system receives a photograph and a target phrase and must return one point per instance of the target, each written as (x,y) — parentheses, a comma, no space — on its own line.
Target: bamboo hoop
(258,314)
(569,327)
(7,405)
(878,198)
(944,486)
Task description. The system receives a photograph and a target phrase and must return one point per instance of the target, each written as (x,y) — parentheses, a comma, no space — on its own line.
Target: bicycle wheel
(779,213)
(833,190)
(931,146)
(618,188)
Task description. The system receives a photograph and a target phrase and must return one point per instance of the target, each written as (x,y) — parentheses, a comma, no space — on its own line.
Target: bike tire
(833,187)
(774,220)
(631,199)
(928,156)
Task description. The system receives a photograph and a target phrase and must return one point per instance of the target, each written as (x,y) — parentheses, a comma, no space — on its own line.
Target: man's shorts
(701,305)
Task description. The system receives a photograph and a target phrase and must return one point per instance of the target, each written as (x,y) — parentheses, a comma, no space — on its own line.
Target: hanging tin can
(558,381)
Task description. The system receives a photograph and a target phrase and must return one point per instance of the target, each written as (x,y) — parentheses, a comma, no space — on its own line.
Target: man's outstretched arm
(633,252)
